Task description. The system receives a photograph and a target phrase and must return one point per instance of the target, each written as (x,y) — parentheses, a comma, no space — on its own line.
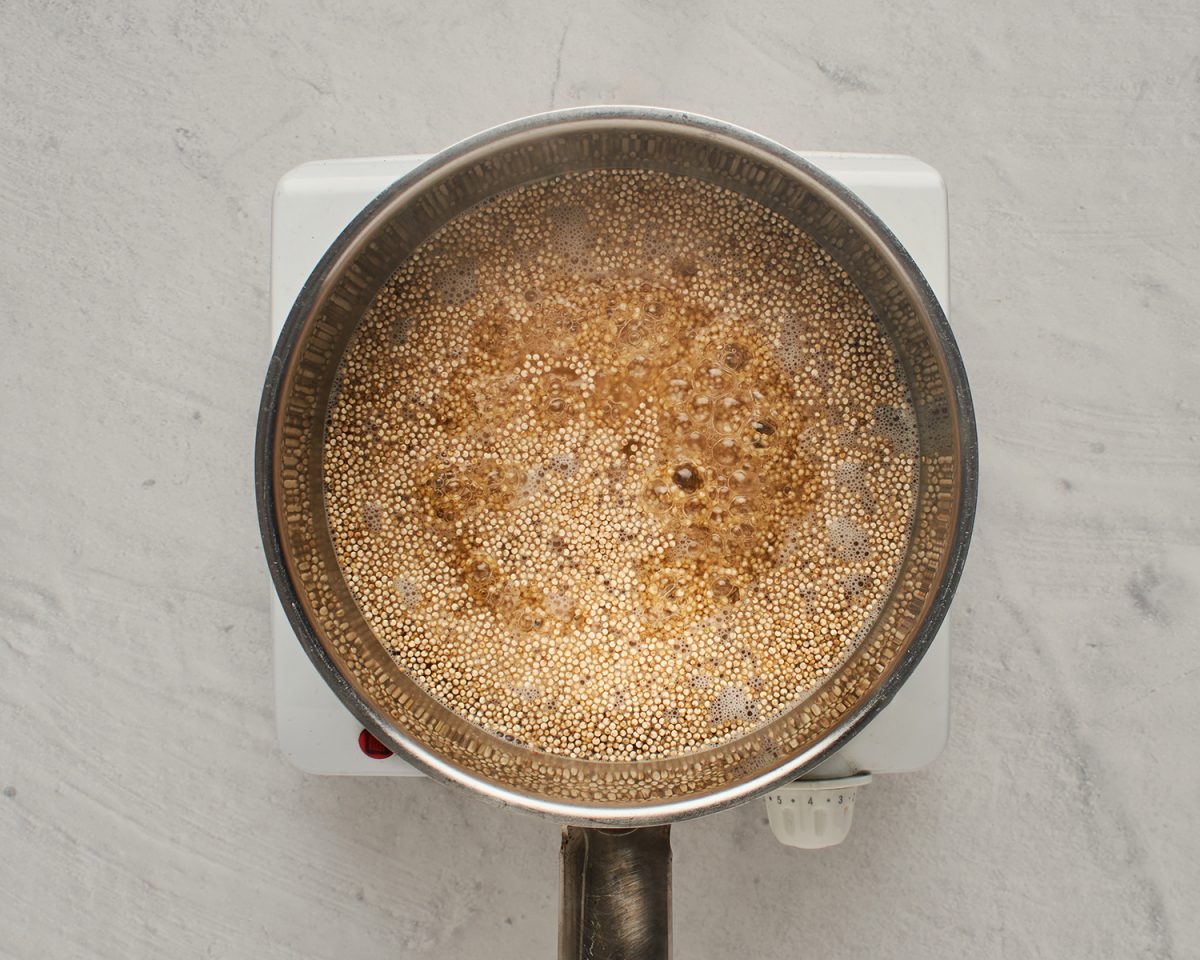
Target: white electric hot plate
(314,203)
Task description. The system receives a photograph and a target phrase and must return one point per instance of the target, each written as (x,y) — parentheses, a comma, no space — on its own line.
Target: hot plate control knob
(814,813)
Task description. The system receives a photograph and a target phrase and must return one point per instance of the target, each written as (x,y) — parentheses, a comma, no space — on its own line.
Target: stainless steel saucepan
(616,845)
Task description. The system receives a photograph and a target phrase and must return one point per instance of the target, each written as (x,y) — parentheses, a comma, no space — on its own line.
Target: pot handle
(616,894)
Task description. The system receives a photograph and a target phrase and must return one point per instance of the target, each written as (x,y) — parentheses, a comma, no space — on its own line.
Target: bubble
(634,331)
(497,479)
(742,534)
(680,421)
(666,584)
(735,356)
(729,414)
(764,430)
(725,588)
(659,494)
(687,478)
(559,323)
(726,452)
(688,542)
(638,368)
(693,443)
(678,387)
(658,244)
(615,395)
(564,379)
(531,621)
(731,704)
(742,482)
(449,487)
(480,572)
(713,379)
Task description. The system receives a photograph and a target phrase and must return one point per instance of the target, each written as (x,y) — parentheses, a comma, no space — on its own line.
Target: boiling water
(620,465)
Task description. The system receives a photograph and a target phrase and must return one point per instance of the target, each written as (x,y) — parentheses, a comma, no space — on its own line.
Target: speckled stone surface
(144,808)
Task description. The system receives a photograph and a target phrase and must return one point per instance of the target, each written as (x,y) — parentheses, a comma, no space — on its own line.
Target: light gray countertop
(145,809)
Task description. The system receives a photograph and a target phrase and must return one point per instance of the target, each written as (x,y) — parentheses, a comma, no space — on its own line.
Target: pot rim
(443,164)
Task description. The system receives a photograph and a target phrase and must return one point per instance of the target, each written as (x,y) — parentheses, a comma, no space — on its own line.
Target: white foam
(457,284)
(789,342)
(564,463)
(571,232)
(560,604)
(373,516)
(532,484)
(655,244)
(898,425)
(855,583)
(399,331)
(851,475)
(847,539)
(731,704)
(408,592)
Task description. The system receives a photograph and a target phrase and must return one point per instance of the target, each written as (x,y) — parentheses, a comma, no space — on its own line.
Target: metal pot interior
(290,489)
